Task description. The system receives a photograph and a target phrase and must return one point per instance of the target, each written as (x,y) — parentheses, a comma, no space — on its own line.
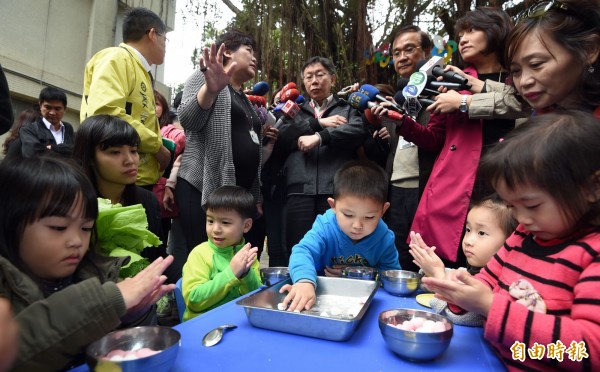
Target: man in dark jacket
(324,135)
(49,132)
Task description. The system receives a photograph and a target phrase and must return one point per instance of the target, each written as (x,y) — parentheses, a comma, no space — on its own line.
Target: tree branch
(233,8)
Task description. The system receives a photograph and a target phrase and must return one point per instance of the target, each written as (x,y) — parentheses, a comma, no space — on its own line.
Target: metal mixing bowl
(272,275)
(418,346)
(360,272)
(163,339)
(400,282)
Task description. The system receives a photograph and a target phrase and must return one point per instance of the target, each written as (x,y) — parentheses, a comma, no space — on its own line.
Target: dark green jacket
(55,330)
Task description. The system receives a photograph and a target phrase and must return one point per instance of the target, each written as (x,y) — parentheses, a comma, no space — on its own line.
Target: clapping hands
(425,257)
(462,290)
(242,261)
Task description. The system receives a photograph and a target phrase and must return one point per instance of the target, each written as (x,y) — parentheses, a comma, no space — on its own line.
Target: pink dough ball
(418,322)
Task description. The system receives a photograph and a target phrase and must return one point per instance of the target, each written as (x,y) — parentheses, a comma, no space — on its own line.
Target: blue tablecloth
(249,348)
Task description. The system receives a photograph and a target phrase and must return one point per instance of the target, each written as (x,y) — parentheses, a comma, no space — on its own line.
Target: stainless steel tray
(341,304)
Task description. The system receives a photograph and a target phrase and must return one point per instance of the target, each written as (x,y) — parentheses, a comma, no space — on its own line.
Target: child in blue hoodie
(351,233)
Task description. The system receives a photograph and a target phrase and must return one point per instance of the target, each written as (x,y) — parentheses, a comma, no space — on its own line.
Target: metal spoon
(213,337)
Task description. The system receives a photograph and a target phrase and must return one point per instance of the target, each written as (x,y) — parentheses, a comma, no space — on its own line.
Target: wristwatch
(463,104)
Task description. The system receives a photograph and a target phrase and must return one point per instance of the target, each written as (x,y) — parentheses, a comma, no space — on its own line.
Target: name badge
(254,136)
(403,144)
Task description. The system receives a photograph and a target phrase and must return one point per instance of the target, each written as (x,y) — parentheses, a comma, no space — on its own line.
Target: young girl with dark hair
(64,295)
(548,172)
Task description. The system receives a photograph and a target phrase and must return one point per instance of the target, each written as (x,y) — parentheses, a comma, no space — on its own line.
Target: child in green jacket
(224,267)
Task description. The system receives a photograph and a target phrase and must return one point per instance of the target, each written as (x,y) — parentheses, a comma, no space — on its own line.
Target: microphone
(373,93)
(400,99)
(345,91)
(260,89)
(403,82)
(289,109)
(289,95)
(271,120)
(258,100)
(361,102)
(372,119)
(435,67)
(434,84)
(290,85)
(408,96)
(283,94)
(300,100)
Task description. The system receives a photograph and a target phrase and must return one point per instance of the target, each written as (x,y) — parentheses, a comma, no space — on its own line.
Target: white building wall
(48,42)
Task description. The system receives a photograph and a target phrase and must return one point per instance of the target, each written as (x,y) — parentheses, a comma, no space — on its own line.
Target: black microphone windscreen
(261,88)
(399,98)
(402,82)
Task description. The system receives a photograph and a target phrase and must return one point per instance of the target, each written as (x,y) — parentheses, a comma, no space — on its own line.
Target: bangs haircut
(498,207)
(232,198)
(103,131)
(557,153)
(576,29)
(494,22)
(233,40)
(325,62)
(361,179)
(39,187)
(53,94)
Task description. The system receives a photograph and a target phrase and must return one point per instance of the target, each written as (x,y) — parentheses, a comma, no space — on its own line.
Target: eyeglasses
(318,76)
(164,35)
(539,9)
(406,51)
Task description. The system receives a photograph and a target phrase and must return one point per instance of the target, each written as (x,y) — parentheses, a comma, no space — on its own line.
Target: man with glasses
(324,135)
(118,82)
(408,166)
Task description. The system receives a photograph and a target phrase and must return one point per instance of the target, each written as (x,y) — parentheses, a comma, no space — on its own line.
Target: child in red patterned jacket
(548,172)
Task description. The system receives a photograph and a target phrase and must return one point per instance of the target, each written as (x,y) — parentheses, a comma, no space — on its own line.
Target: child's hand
(243,260)
(144,289)
(425,257)
(335,271)
(301,295)
(466,292)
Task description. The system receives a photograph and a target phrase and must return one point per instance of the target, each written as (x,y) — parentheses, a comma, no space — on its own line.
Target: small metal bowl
(417,346)
(272,275)
(400,282)
(163,339)
(360,272)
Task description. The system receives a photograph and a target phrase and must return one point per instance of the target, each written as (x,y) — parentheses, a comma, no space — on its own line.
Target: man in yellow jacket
(117,82)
